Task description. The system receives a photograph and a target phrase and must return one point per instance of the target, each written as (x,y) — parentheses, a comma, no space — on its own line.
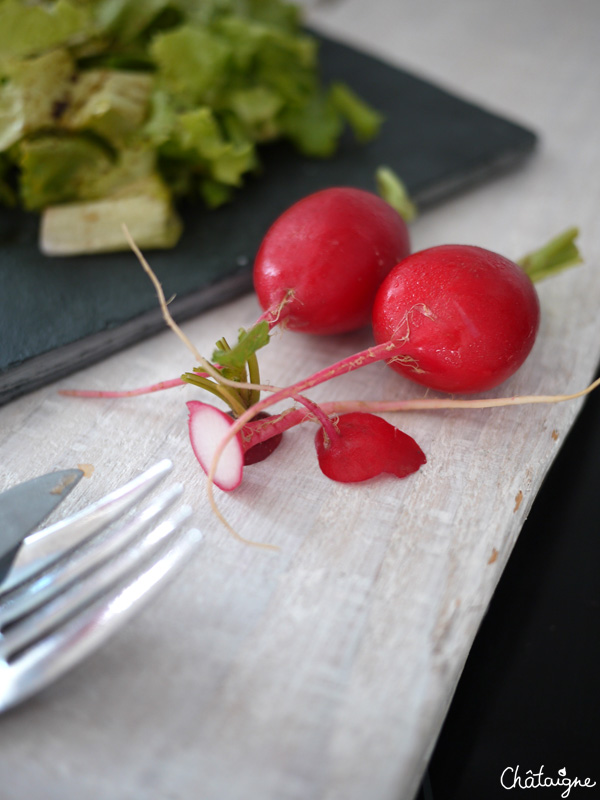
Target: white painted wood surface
(324,671)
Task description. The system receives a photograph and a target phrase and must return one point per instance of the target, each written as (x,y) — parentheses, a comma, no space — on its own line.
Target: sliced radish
(253,454)
(208,426)
(365,447)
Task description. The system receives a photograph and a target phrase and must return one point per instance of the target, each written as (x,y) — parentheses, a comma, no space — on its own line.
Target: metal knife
(24,507)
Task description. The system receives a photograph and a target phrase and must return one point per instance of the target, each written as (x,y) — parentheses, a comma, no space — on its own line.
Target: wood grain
(325,670)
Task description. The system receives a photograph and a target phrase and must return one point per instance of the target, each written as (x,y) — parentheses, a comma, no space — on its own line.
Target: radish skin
(366,446)
(321,262)
(482,317)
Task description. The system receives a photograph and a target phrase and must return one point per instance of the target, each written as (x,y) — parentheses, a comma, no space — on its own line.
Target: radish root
(387,351)
(418,404)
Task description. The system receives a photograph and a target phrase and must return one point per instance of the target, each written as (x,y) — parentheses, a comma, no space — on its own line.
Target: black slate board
(60,314)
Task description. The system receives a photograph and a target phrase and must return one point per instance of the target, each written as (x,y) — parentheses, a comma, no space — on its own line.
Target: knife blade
(25,506)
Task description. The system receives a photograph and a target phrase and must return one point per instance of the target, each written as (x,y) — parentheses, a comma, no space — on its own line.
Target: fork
(85,576)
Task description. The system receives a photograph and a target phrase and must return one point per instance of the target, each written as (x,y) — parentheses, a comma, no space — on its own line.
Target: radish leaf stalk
(558,254)
(392,189)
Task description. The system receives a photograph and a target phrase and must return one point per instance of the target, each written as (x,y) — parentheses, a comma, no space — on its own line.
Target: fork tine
(43,547)
(84,591)
(80,635)
(27,596)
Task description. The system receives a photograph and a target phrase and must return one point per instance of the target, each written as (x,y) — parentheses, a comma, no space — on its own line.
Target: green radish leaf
(249,341)
(391,189)
(558,254)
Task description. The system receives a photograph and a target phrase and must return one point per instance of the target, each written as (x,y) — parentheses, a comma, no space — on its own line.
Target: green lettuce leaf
(65,168)
(215,194)
(111,103)
(125,20)
(95,226)
(59,169)
(98,94)
(364,120)
(192,63)
(257,108)
(32,94)
(29,29)
(314,127)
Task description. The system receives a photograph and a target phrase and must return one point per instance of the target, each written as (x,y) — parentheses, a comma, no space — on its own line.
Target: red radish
(466,318)
(464,292)
(254,453)
(366,446)
(208,426)
(321,262)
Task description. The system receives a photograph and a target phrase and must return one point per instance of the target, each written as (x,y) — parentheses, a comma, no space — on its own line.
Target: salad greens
(100,99)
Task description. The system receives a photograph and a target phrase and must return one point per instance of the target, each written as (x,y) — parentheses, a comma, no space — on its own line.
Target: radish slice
(208,426)
(365,447)
(258,452)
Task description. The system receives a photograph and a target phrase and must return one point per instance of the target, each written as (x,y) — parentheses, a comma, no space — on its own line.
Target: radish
(463,295)
(321,262)
(208,426)
(355,447)
(254,453)
(456,318)
(467,318)
(365,446)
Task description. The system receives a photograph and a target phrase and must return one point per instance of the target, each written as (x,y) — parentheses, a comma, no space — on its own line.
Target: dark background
(529,693)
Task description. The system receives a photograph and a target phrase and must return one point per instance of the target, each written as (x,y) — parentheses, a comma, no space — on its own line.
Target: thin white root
(217,512)
(334,407)
(434,403)
(422,404)
(202,362)
(161,296)
(207,367)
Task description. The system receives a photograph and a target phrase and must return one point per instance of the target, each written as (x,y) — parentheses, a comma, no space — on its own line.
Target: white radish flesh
(208,427)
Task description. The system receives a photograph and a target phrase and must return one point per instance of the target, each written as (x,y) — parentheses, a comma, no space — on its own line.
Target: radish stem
(231,397)
(295,416)
(155,387)
(318,413)
(253,378)
(394,192)
(383,406)
(556,255)
(274,315)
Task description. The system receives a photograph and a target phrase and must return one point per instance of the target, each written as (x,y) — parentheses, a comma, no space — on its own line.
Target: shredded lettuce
(191,63)
(95,93)
(31,93)
(364,121)
(60,169)
(30,29)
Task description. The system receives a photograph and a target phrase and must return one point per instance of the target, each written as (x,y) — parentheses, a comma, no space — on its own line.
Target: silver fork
(82,578)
